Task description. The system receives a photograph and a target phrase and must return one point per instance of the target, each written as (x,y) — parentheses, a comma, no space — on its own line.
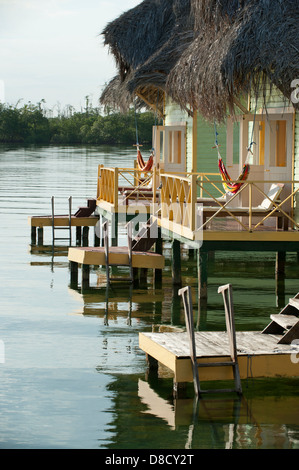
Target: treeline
(31,124)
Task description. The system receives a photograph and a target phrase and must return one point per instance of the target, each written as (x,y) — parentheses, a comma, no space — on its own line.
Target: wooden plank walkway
(259,355)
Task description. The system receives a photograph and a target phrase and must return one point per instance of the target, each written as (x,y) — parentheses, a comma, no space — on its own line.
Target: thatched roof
(146,43)
(204,53)
(238,49)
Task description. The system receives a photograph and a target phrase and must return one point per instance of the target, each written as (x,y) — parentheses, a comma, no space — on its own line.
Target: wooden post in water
(85,276)
(74,274)
(33,235)
(40,236)
(202,272)
(78,236)
(85,236)
(97,240)
(158,250)
(176,263)
(202,266)
(114,230)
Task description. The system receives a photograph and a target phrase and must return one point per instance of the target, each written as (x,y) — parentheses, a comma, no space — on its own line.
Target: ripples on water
(74,376)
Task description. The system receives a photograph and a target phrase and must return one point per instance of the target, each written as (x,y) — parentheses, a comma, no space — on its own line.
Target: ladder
(108,264)
(68,227)
(226,292)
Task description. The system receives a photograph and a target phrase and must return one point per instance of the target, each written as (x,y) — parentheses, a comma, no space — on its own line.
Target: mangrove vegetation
(33,124)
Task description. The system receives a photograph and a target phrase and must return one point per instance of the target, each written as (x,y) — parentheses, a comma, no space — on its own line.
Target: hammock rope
(141,163)
(230,186)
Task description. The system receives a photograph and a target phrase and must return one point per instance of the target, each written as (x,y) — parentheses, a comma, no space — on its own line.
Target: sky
(53,50)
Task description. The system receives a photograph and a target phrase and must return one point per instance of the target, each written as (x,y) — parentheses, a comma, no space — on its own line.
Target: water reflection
(221,422)
(74,367)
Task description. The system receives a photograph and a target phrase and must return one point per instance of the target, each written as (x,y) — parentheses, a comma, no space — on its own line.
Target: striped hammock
(141,164)
(228,185)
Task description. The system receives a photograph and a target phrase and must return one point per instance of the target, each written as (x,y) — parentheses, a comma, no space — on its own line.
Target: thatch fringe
(204,53)
(250,49)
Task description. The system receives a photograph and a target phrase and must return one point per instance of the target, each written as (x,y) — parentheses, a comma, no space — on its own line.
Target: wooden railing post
(100,181)
(193,202)
(164,210)
(115,190)
(154,185)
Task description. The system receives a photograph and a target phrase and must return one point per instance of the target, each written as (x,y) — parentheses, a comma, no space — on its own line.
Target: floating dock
(259,355)
(118,256)
(38,223)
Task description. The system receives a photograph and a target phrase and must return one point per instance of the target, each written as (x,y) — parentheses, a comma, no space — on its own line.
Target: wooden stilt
(136,277)
(158,250)
(143,275)
(40,236)
(202,266)
(78,236)
(85,276)
(74,273)
(280,278)
(179,390)
(97,240)
(85,236)
(33,235)
(152,363)
(114,230)
(176,263)
(175,306)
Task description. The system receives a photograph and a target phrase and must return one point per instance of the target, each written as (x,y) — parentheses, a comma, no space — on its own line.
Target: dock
(118,256)
(82,225)
(83,218)
(204,356)
(259,355)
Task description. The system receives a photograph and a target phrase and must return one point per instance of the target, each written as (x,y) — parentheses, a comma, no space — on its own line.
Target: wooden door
(170,148)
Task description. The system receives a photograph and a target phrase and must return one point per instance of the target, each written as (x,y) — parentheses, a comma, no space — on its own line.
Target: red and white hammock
(141,164)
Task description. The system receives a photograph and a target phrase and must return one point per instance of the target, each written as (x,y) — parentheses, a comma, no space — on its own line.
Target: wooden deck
(62,221)
(117,256)
(259,355)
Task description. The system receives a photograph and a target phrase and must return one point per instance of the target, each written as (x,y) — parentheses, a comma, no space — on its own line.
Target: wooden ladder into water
(69,227)
(226,292)
(108,262)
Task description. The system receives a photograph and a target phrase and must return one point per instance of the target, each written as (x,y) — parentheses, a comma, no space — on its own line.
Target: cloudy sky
(53,50)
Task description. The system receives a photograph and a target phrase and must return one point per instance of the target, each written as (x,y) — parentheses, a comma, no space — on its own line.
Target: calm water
(72,374)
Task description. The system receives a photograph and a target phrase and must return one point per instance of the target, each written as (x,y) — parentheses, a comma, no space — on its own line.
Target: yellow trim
(117,257)
(62,221)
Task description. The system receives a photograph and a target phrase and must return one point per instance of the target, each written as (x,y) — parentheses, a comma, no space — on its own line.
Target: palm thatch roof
(146,42)
(240,47)
(204,53)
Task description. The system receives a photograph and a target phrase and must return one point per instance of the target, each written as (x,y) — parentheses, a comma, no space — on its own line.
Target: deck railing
(194,201)
(191,202)
(120,185)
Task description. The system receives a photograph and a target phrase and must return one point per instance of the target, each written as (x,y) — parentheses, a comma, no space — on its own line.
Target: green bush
(29,124)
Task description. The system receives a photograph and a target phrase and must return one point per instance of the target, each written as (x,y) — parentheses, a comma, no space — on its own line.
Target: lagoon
(72,375)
